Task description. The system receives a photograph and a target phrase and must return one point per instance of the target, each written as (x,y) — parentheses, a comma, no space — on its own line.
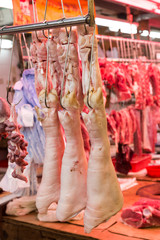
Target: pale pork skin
(74,168)
(104,197)
(74,164)
(73,85)
(48,192)
(49,189)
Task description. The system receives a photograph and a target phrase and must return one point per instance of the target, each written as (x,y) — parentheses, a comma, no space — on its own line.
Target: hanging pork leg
(104,198)
(74,165)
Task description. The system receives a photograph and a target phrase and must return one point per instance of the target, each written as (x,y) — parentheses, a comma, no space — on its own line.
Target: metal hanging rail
(130,49)
(64,22)
(45,25)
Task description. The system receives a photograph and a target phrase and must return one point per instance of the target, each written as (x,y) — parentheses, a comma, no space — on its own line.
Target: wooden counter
(29,228)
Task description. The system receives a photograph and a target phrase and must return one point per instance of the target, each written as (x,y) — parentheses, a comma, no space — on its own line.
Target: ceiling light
(6,4)
(148,5)
(154,34)
(145,33)
(115,26)
(6,44)
(157,10)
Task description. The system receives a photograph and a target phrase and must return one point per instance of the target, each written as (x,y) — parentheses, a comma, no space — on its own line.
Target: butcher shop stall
(79,119)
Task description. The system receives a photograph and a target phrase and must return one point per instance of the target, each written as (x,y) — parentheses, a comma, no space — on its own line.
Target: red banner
(23,10)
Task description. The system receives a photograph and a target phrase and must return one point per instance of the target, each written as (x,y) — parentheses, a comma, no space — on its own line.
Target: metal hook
(47,72)
(43,29)
(90,73)
(9,88)
(37,37)
(64,71)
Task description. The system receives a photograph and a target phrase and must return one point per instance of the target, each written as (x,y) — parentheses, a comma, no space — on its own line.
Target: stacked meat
(67,185)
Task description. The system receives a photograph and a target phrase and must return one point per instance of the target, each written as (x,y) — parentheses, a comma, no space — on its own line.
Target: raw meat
(74,168)
(74,163)
(85,43)
(48,191)
(73,84)
(104,198)
(17,146)
(123,158)
(54,66)
(21,206)
(4,114)
(144,213)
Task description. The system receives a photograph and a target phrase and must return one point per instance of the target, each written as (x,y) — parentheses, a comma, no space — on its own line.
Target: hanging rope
(45,12)
(34,14)
(64,71)
(27,50)
(34,17)
(80,8)
(63,9)
(64,16)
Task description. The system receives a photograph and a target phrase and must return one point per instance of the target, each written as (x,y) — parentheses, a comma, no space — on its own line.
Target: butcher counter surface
(28,227)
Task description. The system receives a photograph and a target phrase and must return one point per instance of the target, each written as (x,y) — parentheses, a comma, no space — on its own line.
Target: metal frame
(131,49)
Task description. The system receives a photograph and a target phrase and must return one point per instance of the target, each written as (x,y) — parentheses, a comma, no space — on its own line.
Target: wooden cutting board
(147,233)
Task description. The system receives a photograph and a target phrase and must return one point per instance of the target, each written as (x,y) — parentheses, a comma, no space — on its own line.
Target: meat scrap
(4,114)
(17,146)
(142,214)
(123,158)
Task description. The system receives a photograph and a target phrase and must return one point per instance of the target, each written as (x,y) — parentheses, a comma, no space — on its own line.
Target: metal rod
(27,50)
(126,39)
(45,12)
(128,47)
(46,25)
(103,47)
